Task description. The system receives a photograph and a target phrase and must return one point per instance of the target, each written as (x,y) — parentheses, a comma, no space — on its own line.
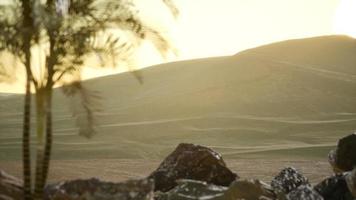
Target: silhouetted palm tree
(16,37)
(71,30)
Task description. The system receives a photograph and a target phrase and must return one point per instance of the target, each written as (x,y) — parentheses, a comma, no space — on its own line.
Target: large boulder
(343,158)
(10,187)
(288,180)
(91,189)
(189,161)
(334,188)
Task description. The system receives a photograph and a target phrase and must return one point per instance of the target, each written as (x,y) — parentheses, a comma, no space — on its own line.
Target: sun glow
(345,18)
(209,28)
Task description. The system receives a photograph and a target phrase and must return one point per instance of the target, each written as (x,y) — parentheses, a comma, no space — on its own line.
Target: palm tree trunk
(48,146)
(40,106)
(48,108)
(26,151)
(38,193)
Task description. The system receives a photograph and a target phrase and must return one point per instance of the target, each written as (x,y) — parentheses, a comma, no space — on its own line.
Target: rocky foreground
(197,172)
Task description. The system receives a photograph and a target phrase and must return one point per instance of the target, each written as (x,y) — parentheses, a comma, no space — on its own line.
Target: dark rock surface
(240,189)
(91,189)
(351,181)
(344,157)
(334,188)
(192,189)
(287,180)
(304,192)
(189,161)
(10,187)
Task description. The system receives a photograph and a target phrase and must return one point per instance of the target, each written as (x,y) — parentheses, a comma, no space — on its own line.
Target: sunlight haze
(209,28)
(178,99)
(345,18)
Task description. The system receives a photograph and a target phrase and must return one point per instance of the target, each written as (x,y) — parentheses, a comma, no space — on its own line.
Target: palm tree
(16,34)
(71,30)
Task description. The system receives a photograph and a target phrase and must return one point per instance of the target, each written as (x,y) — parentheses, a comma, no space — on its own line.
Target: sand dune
(288,99)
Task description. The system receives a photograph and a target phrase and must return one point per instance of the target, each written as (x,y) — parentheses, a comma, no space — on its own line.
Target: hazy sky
(208,28)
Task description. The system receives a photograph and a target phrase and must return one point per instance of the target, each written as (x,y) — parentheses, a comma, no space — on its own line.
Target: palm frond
(10,40)
(85,29)
(108,47)
(10,30)
(62,73)
(84,105)
(161,43)
(136,73)
(173,8)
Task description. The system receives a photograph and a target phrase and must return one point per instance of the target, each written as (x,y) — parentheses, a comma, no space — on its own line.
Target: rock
(332,162)
(192,189)
(351,182)
(91,189)
(334,188)
(240,189)
(304,192)
(194,162)
(10,187)
(249,190)
(344,157)
(287,180)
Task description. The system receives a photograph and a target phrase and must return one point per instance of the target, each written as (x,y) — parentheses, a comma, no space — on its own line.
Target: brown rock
(95,189)
(189,161)
(249,190)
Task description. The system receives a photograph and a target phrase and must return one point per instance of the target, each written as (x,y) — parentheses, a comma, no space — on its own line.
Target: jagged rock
(334,188)
(287,180)
(10,187)
(344,157)
(192,189)
(351,182)
(249,190)
(91,189)
(197,190)
(189,161)
(304,193)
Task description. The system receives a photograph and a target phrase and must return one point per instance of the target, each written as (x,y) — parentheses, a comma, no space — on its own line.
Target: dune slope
(293,98)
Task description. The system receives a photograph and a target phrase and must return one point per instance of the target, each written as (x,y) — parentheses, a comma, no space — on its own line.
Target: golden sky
(207,28)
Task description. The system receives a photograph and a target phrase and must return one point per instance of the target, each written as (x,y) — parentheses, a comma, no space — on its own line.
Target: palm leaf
(84,105)
(173,8)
